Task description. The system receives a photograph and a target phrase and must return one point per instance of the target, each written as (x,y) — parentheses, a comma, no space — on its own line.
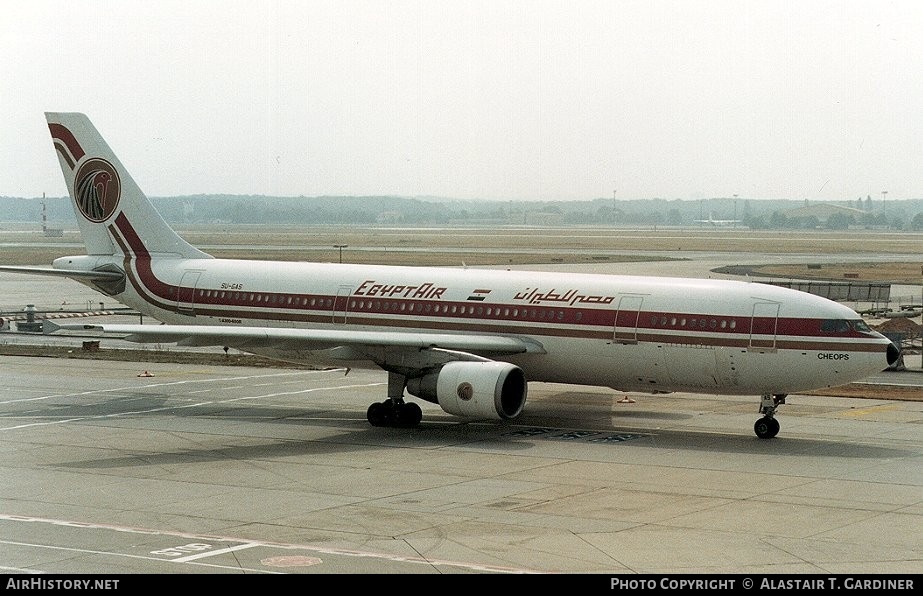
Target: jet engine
(474,389)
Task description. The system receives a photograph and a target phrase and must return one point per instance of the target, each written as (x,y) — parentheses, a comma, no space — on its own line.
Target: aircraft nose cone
(893,354)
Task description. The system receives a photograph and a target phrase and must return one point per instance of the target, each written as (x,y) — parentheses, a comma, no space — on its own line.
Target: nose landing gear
(767,427)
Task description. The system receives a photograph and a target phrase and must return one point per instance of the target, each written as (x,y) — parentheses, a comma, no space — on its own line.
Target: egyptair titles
(373,289)
(430,291)
(570,297)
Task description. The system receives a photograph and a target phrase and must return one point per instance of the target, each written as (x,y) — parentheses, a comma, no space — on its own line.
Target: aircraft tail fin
(114,215)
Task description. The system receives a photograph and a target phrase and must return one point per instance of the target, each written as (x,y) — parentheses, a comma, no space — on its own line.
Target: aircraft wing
(353,344)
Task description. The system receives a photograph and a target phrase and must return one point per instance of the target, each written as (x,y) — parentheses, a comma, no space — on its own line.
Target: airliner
(719,222)
(468,340)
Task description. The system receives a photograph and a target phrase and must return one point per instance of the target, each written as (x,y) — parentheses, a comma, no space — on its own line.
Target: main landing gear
(394,411)
(767,427)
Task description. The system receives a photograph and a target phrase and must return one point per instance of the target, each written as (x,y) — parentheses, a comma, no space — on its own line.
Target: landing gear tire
(398,415)
(379,414)
(766,427)
(407,415)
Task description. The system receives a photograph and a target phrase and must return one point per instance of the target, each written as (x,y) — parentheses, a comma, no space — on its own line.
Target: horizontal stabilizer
(73,274)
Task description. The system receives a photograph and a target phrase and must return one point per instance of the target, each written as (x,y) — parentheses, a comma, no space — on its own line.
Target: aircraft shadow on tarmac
(435,432)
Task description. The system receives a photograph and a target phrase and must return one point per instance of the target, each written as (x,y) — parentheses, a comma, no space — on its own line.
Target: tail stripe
(138,267)
(62,150)
(60,133)
(132,244)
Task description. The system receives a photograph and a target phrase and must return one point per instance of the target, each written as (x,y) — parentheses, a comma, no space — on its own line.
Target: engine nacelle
(474,389)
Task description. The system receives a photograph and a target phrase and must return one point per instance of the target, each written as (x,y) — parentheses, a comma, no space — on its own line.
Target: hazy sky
(498,99)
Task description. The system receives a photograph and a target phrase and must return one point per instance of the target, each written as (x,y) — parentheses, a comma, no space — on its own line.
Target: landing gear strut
(767,427)
(394,411)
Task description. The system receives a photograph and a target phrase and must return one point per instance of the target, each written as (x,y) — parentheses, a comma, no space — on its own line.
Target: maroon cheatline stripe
(60,133)
(142,265)
(131,264)
(132,240)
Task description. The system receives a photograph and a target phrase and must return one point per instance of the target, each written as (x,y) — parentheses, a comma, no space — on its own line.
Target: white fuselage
(629,333)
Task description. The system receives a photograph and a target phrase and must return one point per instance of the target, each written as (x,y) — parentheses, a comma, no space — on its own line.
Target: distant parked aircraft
(719,222)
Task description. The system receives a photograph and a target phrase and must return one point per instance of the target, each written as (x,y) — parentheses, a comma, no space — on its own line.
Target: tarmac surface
(213,469)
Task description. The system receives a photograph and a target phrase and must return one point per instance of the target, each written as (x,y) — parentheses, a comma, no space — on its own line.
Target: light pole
(341,247)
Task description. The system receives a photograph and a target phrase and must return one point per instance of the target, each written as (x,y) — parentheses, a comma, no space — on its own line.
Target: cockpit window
(834,326)
(860,326)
